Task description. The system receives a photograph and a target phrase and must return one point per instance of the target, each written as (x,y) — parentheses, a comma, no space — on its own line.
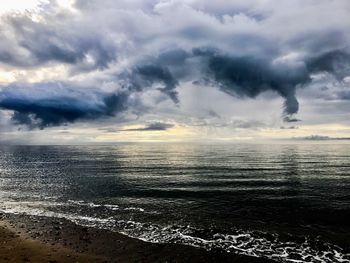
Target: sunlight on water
(286,202)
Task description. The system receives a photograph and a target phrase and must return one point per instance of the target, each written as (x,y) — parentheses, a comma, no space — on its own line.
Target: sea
(289,202)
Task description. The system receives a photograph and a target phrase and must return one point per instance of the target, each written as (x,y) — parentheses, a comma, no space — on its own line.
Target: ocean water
(287,202)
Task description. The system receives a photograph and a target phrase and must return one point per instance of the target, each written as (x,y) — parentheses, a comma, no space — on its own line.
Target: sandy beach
(40,239)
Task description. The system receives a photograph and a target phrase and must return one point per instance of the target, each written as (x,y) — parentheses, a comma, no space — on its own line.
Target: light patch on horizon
(175,133)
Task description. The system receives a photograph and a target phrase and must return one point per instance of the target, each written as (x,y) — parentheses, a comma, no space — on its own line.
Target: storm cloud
(147,75)
(156,126)
(133,47)
(51,104)
(242,76)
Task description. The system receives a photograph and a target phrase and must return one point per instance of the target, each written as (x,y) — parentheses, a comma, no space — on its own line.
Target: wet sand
(40,239)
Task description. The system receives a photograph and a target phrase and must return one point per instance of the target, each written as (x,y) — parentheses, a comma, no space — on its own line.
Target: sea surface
(287,202)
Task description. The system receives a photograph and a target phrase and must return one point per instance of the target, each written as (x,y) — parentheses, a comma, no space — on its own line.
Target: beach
(41,239)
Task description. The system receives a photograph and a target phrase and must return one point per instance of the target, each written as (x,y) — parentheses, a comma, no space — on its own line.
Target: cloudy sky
(88,71)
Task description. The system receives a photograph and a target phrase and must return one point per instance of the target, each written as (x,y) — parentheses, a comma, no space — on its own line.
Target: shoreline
(26,238)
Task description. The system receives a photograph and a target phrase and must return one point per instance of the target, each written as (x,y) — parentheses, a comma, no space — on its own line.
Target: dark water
(290,203)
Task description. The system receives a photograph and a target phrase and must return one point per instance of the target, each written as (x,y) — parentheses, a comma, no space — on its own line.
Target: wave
(251,243)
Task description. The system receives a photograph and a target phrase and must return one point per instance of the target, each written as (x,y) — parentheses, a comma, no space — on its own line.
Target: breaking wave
(251,243)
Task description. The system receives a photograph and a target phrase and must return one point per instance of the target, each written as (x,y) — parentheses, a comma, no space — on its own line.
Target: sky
(88,71)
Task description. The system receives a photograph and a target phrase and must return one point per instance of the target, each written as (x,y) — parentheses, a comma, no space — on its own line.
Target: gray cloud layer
(50,104)
(156,126)
(244,49)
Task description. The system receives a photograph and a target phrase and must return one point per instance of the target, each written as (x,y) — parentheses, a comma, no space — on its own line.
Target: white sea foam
(134,209)
(108,206)
(112,207)
(241,242)
(42,212)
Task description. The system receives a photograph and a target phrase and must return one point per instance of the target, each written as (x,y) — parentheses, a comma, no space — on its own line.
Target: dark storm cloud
(336,62)
(289,128)
(157,126)
(168,69)
(147,75)
(248,76)
(290,119)
(243,48)
(52,104)
(344,95)
(242,76)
